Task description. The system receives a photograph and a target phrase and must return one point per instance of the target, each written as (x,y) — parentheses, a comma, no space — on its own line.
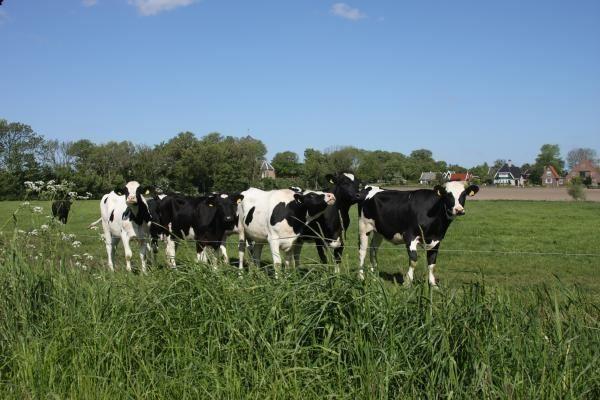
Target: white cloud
(89,3)
(153,7)
(343,10)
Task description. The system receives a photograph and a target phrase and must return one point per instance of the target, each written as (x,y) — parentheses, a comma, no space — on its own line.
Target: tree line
(190,164)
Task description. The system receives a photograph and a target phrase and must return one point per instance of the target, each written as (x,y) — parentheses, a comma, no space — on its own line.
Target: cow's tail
(96,222)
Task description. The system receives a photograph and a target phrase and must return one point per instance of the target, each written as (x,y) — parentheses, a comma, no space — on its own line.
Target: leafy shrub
(576,191)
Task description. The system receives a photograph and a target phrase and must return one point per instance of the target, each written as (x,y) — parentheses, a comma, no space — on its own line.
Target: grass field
(508,325)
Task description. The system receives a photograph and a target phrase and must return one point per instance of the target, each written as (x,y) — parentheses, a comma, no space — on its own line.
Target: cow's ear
(330,178)
(120,190)
(472,190)
(299,198)
(440,190)
(211,201)
(237,197)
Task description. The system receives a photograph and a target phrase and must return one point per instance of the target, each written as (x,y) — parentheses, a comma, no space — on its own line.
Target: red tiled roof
(553,170)
(460,176)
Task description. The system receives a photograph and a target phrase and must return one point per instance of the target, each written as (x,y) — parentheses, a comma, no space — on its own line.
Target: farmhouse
(267,170)
(550,177)
(427,178)
(460,176)
(587,170)
(509,174)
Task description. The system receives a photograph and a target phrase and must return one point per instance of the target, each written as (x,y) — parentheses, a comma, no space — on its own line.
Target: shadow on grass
(396,277)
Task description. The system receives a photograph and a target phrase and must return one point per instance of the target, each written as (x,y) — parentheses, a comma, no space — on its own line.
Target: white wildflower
(37,210)
(76,256)
(30,246)
(24,204)
(44,227)
(76,244)
(88,257)
(20,231)
(33,233)
(94,228)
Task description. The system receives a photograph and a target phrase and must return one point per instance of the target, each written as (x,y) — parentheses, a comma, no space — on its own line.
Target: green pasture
(502,325)
(518,244)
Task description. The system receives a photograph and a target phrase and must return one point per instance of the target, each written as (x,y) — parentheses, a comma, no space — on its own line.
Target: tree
(286,164)
(315,167)
(549,155)
(578,155)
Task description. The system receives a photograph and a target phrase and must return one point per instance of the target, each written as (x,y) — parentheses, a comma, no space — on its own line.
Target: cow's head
(314,201)
(133,192)
(453,195)
(345,187)
(226,205)
(366,193)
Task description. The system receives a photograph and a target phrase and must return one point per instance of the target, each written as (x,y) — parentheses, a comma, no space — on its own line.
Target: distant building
(267,170)
(584,170)
(427,178)
(509,174)
(460,176)
(550,177)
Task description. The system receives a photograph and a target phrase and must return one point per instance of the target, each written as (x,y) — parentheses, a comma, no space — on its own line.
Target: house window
(548,180)
(548,173)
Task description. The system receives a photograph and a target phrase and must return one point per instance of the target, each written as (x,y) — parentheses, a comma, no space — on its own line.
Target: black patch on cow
(278,214)
(112,216)
(105,199)
(250,216)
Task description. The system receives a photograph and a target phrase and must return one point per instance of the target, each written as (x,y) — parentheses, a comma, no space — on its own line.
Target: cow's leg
(201,255)
(431,257)
(321,250)
(111,245)
(289,259)
(170,249)
(411,247)
(241,249)
(143,249)
(375,243)
(297,250)
(274,245)
(223,251)
(363,241)
(127,248)
(257,253)
(337,255)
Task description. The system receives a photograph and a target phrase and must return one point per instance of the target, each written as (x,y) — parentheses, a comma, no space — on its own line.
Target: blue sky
(472,81)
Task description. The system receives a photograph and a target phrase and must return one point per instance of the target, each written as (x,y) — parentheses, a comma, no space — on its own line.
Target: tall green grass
(194,333)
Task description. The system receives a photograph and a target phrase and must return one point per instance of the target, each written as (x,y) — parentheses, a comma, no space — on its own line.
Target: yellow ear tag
(472,193)
(331,181)
(439,194)
(147,192)
(210,205)
(239,201)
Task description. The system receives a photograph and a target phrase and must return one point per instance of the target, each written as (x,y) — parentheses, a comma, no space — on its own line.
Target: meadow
(516,315)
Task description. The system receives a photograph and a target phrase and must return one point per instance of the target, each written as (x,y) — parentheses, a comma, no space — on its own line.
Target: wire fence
(100,236)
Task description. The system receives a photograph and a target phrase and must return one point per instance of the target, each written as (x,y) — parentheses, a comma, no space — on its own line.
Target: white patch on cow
(373,190)
(456,188)
(334,244)
(349,176)
(431,276)
(224,196)
(191,234)
(431,245)
(413,244)
(397,238)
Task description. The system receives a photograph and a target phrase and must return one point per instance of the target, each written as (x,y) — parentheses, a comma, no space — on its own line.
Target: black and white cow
(156,232)
(124,217)
(205,219)
(410,217)
(277,217)
(60,209)
(328,229)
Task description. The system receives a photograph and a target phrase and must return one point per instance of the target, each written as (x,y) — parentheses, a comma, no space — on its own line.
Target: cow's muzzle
(329,199)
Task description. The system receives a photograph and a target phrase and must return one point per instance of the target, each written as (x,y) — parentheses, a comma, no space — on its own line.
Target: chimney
(509,163)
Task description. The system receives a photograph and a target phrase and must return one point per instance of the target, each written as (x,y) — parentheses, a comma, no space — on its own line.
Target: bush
(576,191)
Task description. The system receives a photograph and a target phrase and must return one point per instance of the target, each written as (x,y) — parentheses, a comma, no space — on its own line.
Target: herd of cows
(283,219)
